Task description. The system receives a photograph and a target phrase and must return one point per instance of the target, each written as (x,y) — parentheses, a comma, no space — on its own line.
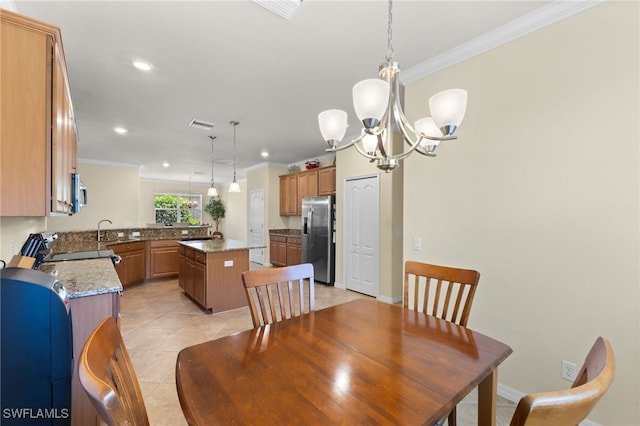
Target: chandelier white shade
(234,187)
(377,104)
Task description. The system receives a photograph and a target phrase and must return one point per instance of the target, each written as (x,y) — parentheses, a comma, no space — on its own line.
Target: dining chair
(569,407)
(107,376)
(279,293)
(441,291)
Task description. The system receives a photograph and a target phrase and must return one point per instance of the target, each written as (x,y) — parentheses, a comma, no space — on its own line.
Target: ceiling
(219,61)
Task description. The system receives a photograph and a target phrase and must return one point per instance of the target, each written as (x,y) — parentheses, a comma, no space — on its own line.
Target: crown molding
(540,18)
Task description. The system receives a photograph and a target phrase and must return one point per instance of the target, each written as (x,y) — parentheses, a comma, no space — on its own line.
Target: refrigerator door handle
(310,223)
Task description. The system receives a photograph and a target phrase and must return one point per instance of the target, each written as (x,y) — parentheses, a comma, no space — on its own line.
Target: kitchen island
(210,272)
(93,289)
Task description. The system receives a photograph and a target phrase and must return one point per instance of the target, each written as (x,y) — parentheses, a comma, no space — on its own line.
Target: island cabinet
(310,183)
(212,275)
(38,136)
(132,267)
(162,259)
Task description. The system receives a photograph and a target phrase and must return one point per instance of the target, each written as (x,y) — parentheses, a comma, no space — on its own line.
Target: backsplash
(81,240)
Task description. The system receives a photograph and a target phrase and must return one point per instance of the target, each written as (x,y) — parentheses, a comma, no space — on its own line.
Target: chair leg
(452,420)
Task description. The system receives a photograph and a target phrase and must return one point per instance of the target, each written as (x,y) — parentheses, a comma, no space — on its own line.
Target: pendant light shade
(333,124)
(234,186)
(370,100)
(448,108)
(212,192)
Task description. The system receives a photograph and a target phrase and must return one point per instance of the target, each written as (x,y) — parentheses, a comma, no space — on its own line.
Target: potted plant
(216,209)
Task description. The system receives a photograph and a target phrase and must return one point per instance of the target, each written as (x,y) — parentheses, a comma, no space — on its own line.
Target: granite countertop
(85,277)
(215,245)
(286,232)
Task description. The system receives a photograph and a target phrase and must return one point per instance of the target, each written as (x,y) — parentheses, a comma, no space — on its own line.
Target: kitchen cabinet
(285,250)
(214,279)
(278,250)
(132,268)
(310,183)
(294,250)
(38,135)
(327,180)
(162,259)
(288,195)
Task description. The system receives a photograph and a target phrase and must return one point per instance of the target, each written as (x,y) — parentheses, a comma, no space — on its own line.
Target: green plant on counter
(215,208)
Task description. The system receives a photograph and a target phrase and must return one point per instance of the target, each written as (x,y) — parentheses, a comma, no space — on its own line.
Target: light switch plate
(228,263)
(185,232)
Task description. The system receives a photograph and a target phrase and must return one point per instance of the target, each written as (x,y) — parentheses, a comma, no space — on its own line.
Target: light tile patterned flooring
(158,320)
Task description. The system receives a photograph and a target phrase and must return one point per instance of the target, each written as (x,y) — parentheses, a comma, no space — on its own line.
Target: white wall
(541,195)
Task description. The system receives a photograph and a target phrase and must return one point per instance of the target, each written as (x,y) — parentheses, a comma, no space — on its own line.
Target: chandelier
(234,186)
(212,191)
(377,105)
(192,204)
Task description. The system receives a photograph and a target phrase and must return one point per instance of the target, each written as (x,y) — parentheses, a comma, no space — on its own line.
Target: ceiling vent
(200,124)
(284,8)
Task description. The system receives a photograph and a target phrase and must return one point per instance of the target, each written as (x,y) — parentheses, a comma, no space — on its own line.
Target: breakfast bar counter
(210,272)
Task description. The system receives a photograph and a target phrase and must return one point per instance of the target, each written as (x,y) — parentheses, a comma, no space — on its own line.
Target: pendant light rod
(234,186)
(212,192)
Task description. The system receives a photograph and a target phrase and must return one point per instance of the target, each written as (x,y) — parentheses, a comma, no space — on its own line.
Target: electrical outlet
(569,371)
(417,243)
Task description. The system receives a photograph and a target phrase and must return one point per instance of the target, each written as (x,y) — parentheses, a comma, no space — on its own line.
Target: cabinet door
(294,251)
(327,180)
(188,276)
(163,259)
(181,270)
(63,139)
(25,118)
(307,187)
(136,271)
(278,251)
(200,282)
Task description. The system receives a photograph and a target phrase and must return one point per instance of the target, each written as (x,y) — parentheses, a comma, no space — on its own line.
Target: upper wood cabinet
(327,180)
(38,136)
(295,186)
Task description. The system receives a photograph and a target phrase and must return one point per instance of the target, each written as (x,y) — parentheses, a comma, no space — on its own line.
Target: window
(175,208)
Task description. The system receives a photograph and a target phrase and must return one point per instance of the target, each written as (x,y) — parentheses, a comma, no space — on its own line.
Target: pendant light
(212,191)
(234,186)
(192,204)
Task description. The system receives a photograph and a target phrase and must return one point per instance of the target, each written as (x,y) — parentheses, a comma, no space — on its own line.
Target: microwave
(78,193)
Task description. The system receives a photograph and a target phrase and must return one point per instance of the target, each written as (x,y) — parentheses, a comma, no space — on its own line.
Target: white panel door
(361,231)
(256,224)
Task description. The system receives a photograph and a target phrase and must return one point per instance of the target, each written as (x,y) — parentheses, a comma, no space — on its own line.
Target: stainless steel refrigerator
(318,236)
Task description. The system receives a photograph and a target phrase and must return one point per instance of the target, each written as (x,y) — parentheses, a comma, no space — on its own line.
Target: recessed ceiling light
(264,154)
(142,65)
(120,130)
(165,164)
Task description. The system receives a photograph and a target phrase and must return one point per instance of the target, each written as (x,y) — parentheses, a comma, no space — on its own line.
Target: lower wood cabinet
(163,259)
(278,250)
(294,250)
(285,250)
(132,269)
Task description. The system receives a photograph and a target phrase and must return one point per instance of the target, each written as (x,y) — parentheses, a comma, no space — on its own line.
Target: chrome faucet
(99,223)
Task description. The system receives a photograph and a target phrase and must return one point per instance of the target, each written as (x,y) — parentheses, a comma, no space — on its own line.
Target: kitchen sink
(80,255)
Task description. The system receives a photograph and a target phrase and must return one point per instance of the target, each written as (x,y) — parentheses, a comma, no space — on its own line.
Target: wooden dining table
(360,362)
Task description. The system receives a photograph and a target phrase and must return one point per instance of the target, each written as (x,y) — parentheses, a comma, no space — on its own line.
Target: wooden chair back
(440,291)
(569,407)
(279,293)
(106,374)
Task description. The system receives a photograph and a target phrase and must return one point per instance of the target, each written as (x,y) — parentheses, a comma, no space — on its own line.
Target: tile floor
(158,320)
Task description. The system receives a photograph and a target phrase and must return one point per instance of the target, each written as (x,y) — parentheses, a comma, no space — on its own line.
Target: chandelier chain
(390,33)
